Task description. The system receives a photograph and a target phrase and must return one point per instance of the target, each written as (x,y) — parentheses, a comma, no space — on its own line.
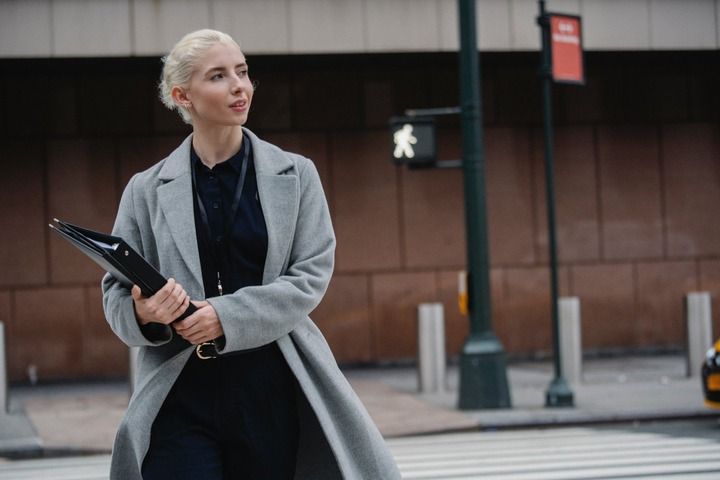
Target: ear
(180,97)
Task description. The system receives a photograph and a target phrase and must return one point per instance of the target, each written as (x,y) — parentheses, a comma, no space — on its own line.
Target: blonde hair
(179,63)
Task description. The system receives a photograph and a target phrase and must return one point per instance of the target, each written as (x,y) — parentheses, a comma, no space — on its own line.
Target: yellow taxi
(711,376)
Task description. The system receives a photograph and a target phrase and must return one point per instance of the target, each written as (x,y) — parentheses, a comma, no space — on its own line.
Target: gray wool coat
(338,438)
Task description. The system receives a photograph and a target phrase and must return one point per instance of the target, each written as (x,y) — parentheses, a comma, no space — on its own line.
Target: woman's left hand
(202,326)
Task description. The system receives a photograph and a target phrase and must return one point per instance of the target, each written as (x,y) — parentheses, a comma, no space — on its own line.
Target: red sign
(567,52)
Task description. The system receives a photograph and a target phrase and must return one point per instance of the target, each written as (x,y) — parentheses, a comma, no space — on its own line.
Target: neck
(216,145)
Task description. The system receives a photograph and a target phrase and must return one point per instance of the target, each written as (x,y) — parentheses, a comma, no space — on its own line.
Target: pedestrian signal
(413,141)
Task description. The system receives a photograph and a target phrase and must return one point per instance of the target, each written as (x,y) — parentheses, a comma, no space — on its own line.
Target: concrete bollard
(3,373)
(431,347)
(570,339)
(698,319)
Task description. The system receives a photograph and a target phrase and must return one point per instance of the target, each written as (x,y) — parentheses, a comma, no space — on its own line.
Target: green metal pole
(558,393)
(483,377)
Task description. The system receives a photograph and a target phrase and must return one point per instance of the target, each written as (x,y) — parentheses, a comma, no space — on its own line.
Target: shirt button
(218,239)
(216,205)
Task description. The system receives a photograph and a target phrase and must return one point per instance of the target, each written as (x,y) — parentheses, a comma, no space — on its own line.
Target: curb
(593,420)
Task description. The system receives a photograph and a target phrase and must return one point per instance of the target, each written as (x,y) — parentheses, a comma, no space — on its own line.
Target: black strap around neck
(235,205)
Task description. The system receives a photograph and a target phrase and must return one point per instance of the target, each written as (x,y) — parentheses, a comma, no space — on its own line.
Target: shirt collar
(235,161)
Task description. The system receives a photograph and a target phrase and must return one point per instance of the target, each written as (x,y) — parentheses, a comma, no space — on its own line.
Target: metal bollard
(698,317)
(570,339)
(3,373)
(431,347)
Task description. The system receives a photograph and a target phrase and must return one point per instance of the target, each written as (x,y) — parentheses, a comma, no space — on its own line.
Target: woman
(246,386)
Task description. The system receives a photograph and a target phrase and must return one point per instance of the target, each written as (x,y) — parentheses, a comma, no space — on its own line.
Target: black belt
(209,350)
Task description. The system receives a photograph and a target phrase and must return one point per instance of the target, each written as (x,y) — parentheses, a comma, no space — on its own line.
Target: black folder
(116,257)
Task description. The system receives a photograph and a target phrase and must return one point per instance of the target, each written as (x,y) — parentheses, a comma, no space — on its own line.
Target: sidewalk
(621,389)
(76,418)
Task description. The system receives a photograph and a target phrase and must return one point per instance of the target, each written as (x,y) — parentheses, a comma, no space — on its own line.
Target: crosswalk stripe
(620,448)
(477,458)
(491,436)
(507,435)
(73,468)
(61,462)
(650,472)
(557,465)
(679,476)
(500,439)
(539,447)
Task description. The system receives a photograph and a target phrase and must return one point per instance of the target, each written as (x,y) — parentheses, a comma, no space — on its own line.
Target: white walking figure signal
(404,140)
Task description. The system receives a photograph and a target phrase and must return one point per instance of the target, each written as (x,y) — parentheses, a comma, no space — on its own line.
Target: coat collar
(269,160)
(278,195)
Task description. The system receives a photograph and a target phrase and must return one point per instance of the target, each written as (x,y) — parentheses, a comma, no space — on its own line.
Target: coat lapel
(279,199)
(176,201)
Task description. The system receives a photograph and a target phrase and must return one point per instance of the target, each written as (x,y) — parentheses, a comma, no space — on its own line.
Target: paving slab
(397,413)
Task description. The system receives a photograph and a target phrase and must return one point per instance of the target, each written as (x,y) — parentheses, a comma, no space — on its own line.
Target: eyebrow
(221,69)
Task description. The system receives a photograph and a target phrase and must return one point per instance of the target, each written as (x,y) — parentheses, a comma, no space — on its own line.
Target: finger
(191,334)
(136,292)
(197,338)
(162,294)
(182,307)
(173,305)
(189,327)
(196,316)
(183,335)
(170,312)
(181,295)
(186,323)
(178,291)
(182,326)
(174,299)
(198,330)
(200,335)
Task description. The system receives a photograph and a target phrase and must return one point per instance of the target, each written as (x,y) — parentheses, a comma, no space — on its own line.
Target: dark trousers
(228,418)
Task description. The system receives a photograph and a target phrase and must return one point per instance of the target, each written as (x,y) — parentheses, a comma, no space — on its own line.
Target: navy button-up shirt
(233,247)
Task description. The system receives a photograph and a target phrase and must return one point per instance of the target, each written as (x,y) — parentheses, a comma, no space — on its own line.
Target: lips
(239,106)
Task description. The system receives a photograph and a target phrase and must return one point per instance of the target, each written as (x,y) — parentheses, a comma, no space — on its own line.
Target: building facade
(637,153)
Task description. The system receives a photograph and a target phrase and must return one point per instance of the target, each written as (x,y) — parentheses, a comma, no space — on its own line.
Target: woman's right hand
(164,307)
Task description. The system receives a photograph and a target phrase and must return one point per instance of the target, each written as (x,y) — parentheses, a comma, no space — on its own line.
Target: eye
(217,76)
(242,73)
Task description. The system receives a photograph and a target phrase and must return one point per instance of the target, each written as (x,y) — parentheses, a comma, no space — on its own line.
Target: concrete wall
(98,28)
(638,196)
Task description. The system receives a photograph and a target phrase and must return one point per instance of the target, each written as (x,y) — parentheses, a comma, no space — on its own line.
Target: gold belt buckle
(206,356)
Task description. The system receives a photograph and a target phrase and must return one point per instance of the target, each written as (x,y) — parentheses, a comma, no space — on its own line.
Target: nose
(235,87)
(237,84)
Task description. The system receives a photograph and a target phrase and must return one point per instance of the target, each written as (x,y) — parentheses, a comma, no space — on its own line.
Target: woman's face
(220,91)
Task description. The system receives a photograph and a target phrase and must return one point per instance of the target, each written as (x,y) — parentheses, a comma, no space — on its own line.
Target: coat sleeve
(117,300)
(258,315)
